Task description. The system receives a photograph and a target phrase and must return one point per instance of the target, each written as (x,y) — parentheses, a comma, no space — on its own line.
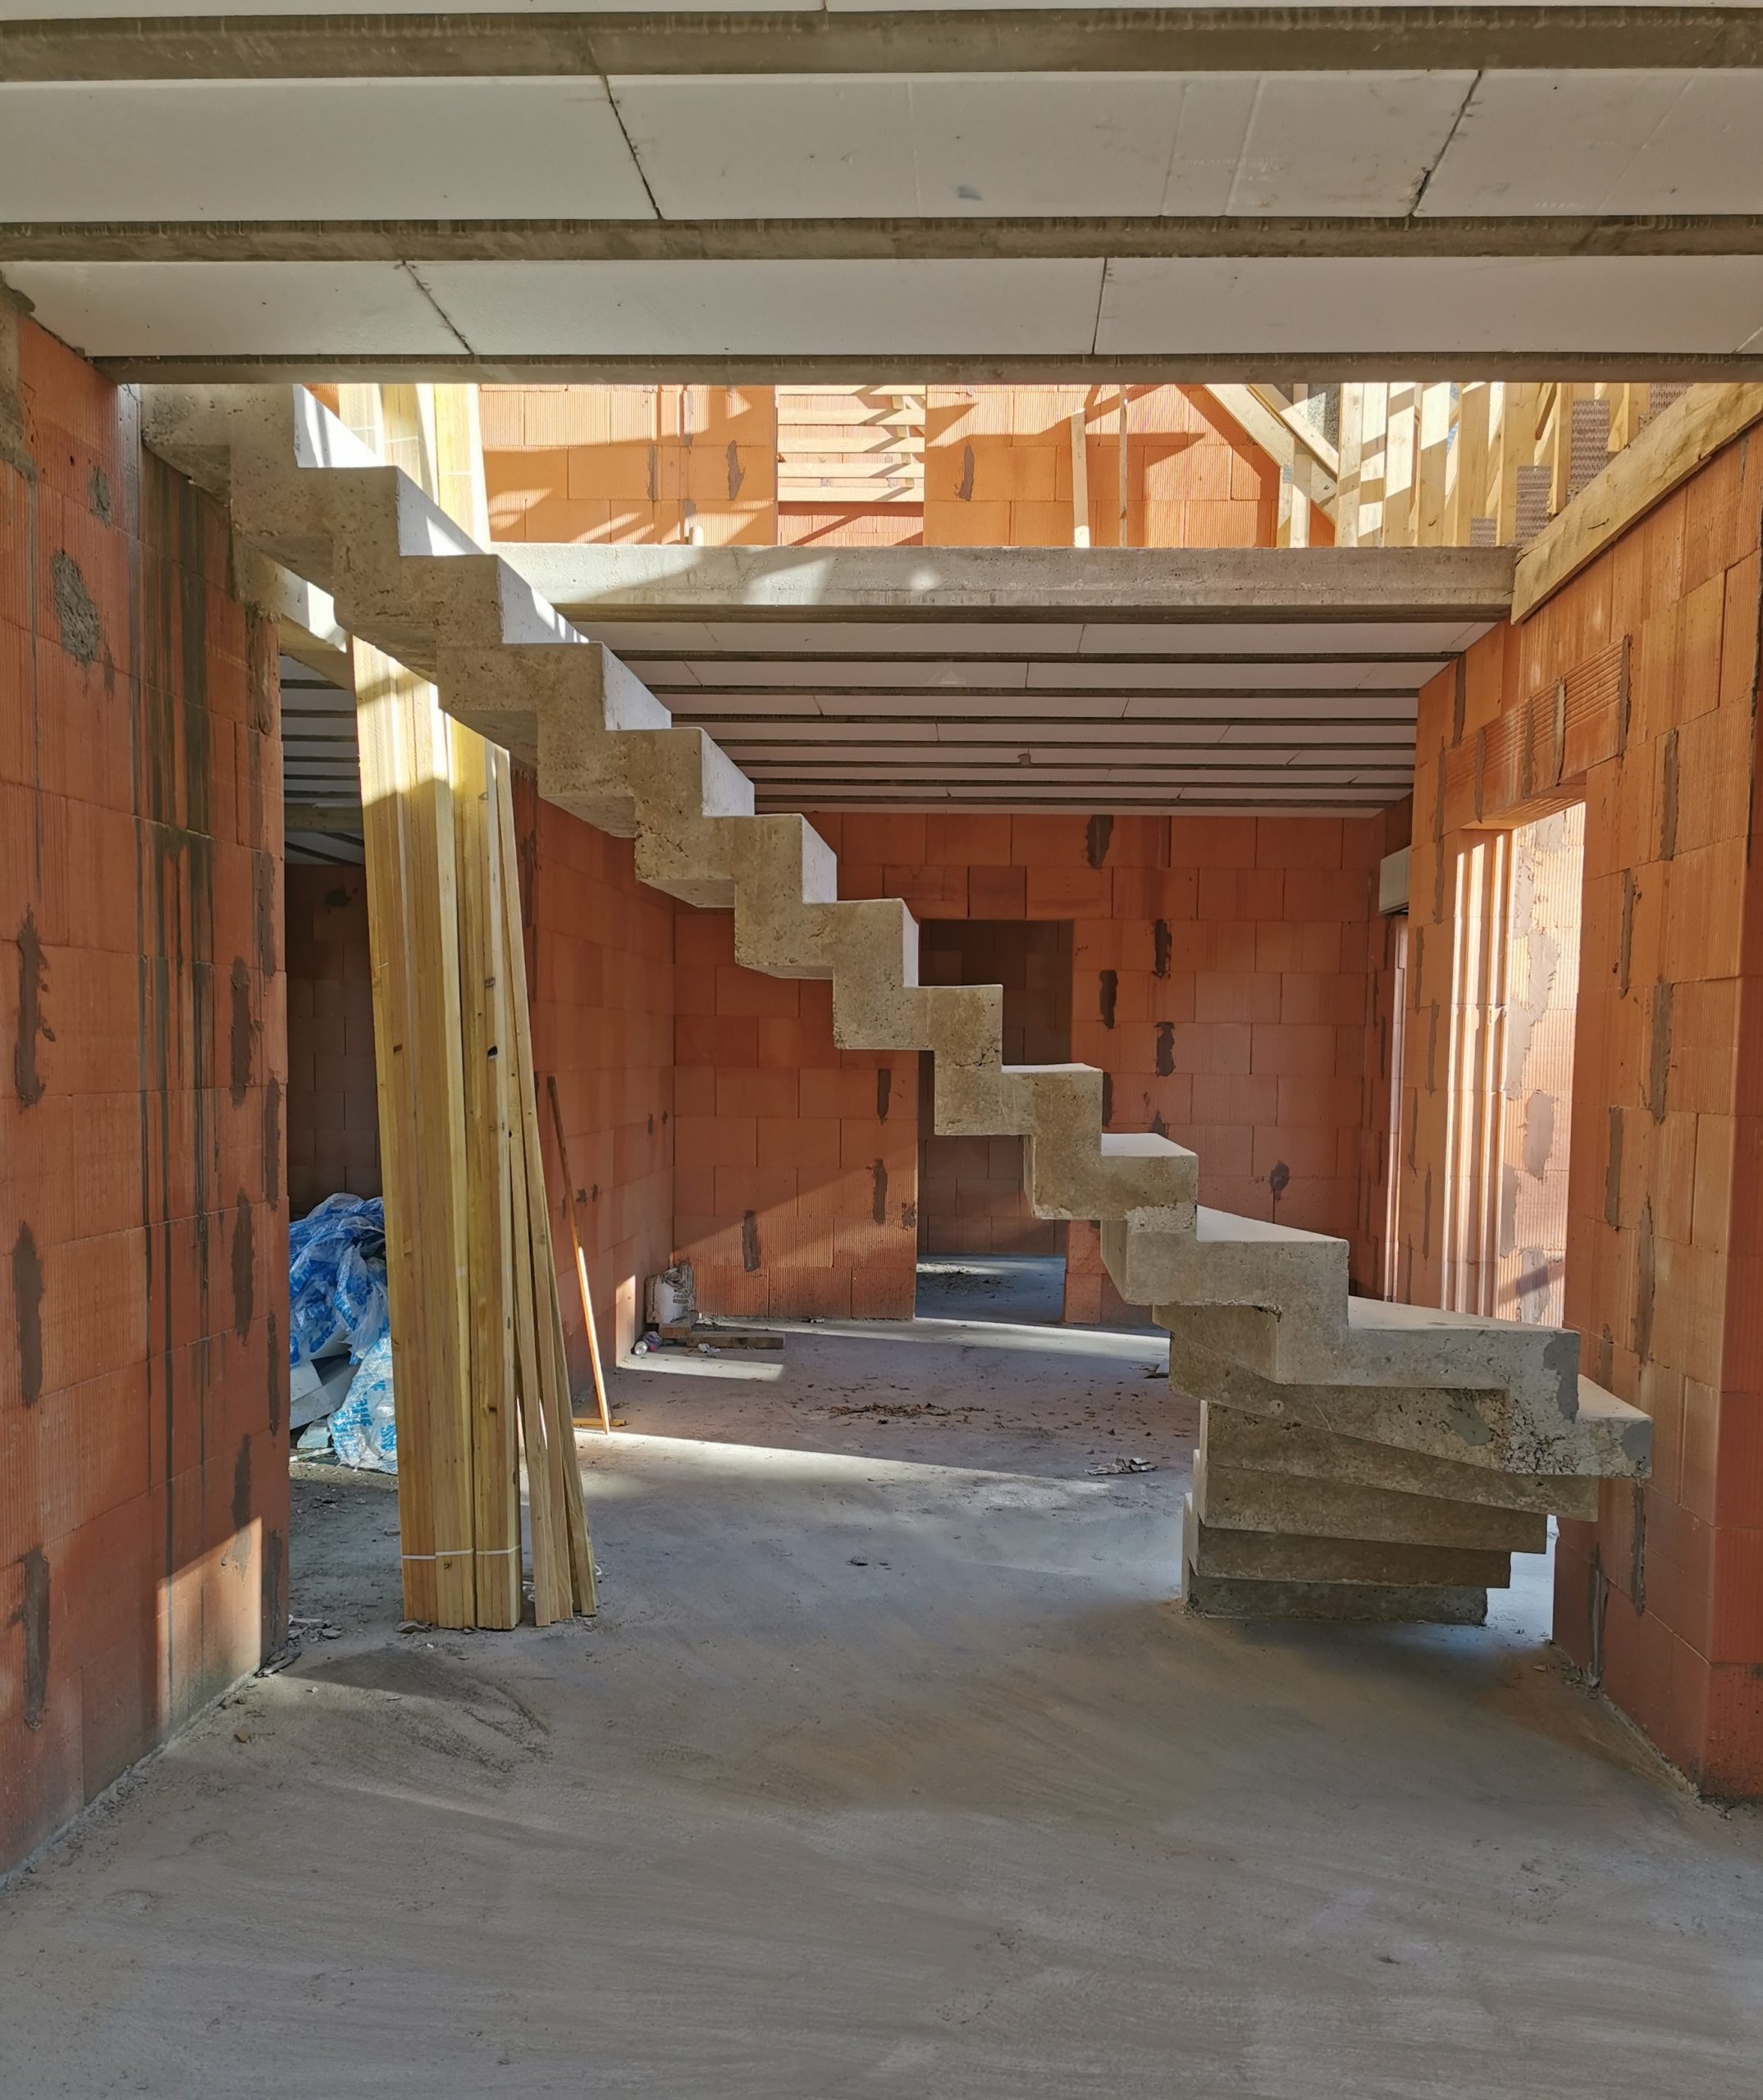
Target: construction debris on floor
(340,1344)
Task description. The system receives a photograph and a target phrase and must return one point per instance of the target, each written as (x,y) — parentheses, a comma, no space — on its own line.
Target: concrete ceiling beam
(658,44)
(842,240)
(731,584)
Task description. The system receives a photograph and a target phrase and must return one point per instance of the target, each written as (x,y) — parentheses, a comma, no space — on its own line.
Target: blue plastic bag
(364,1429)
(336,1279)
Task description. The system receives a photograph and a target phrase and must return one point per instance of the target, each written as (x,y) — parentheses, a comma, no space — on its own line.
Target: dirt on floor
(891,1767)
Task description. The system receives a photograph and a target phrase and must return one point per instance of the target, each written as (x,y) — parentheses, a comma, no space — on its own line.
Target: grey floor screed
(891,1768)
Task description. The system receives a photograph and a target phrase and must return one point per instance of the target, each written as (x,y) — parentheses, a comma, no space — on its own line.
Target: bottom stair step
(1211,1551)
(1214,1596)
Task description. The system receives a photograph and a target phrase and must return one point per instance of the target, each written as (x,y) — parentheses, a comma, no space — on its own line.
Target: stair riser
(1298,1557)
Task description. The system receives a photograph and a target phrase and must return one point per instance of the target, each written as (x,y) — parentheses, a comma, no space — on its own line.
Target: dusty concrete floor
(890,1769)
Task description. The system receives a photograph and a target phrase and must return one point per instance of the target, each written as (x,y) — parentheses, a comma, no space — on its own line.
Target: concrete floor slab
(891,1768)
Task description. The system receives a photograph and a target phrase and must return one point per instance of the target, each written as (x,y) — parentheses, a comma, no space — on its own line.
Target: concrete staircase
(1358,1459)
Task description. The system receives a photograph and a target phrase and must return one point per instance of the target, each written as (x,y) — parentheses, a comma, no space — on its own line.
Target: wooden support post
(1468,478)
(408,832)
(1432,459)
(1519,408)
(1125,448)
(1559,456)
(565,1582)
(1079,480)
(1399,468)
(1352,460)
(488,1044)
(1374,427)
(1298,533)
(589,1325)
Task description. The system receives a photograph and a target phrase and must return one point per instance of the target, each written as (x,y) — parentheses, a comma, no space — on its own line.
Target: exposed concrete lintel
(1278,368)
(1095,583)
(366,45)
(885,240)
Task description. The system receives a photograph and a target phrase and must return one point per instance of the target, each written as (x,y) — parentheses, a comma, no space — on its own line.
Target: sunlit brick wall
(1636,685)
(333,1104)
(143,1478)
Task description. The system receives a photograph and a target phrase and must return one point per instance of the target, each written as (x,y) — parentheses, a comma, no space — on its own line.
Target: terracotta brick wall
(600,961)
(998,469)
(1373,1261)
(1222,977)
(143,1345)
(1635,687)
(333,1109)
(796,1182)
(658,464)
(632,464)
(971,1200)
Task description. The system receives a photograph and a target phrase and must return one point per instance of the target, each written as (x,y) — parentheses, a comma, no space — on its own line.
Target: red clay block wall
(795,1180)
(660,464)
(333,1108)
(970,1197)
(1222,977)
(1636,689)
(998,469)
(1220,973)
(600,961)
(143,1350)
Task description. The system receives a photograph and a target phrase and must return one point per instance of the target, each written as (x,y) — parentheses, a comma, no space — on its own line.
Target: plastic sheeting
(338,1305)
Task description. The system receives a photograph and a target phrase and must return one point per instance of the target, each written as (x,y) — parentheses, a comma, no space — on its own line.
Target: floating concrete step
(1227,1499)
(1214,1596)
(1258,1444)
(1486,1425)
(1302,1557)
(1228,1597)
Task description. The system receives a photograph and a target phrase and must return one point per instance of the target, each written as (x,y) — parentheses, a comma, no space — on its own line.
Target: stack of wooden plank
(479,1376)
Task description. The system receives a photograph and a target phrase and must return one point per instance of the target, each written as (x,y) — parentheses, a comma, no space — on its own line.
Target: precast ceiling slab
(740,193)
(1041,679)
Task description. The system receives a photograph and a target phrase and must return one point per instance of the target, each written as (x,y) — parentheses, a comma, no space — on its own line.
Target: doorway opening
(1515,973)
(978,1239)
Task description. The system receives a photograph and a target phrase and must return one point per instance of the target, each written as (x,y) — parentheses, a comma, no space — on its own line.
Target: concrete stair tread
(1140,1144)
(1223,1228)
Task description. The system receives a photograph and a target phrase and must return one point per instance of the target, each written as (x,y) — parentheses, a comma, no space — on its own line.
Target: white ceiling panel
(769,308)
(243,309)
(298,149)
(850,638)
(856,676)
(1270,637)
(1039,145)
(1343,143)
(1632,143)
(1664,305)
(1229,678)
(1030,706)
